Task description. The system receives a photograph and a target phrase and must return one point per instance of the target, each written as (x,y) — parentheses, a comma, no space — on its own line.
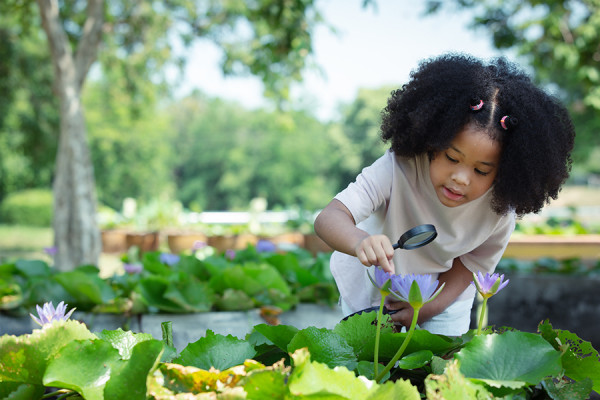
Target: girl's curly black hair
(426,113)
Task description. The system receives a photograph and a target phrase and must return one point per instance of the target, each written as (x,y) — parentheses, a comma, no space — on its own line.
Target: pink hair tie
(503,122)
(477,106)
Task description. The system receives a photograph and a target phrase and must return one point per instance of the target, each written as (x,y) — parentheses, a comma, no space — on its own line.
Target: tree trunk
(76,234)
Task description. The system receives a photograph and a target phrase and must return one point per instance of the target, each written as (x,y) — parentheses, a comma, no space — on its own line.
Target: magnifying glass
(416,237)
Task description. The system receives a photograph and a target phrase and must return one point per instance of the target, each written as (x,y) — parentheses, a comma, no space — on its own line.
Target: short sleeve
(371,189)
(485,257)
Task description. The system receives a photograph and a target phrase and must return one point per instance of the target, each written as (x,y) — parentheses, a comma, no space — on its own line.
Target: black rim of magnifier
(417,230)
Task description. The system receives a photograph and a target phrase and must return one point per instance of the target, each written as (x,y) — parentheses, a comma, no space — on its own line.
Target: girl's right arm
(336,226)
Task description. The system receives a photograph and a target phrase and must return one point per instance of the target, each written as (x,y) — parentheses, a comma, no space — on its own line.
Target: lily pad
(325,346)
(511,359)
(218,351)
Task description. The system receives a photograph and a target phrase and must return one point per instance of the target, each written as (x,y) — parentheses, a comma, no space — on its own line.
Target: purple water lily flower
(169,259)
(230,254)
(489,285)
(48,314)
(51,251)
(428,289)
(199,244)
(265,246)
(382,281)
(133,268)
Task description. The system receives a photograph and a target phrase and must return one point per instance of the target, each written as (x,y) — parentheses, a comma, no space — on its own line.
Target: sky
(371,48)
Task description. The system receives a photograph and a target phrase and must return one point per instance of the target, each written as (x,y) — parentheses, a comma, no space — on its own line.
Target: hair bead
(508,122)
(475,106)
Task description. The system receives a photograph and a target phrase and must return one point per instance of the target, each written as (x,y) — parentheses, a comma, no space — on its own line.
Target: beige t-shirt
(395,194)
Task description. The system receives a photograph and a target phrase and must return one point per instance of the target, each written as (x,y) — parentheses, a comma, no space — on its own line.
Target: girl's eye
(481,172)
(452,160)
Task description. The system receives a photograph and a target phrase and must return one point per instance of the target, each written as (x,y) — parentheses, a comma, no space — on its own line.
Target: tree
(134,37)
(559,40)
(28,110)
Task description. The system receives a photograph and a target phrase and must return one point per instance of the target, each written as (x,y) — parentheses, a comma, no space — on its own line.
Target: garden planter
(114,241)
(145,241)
(287,239)
(223,243)
(182,241)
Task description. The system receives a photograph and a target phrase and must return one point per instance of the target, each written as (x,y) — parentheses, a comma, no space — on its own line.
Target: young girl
(473,145)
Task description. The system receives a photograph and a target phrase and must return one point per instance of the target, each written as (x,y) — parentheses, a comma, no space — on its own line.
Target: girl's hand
(376,250)
(404,313)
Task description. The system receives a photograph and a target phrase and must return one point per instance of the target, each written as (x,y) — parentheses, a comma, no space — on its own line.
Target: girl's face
(467,169)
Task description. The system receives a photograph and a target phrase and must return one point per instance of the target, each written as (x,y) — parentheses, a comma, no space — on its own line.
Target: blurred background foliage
(212,154)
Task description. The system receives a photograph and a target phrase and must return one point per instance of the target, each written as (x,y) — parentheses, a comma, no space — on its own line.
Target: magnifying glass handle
(396,246)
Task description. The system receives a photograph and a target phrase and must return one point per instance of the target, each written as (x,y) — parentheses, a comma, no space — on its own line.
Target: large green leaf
(280,335)
(31,268)
(325,346)
(254,278)
(124,341)
(511,359)
(400,389)
(452,385)
(218,351)
(267,384)
(24,358)
(20,391)
(85,287)
(84,366)
(579,359)
(190,294)
(359,332)
(312,378)
(128,379)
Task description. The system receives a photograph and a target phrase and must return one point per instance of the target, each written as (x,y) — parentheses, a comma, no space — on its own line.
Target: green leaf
(128,379)
(20,391)
(366,369)
(266,384)
(512,359)
(190,294)
(580,359)
(24,358)
(314,378)
(568,390)
(325,346)
(85,287)
(124,341)
(32,268)
(359,332)
(400,389)
(415,360)
(234,300)
(84,366)
(280,335)
(452,385)
(218,351)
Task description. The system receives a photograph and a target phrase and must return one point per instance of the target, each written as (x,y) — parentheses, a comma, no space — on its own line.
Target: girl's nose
(460,176)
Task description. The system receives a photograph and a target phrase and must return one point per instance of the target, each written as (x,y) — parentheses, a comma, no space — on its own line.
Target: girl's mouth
(452,195)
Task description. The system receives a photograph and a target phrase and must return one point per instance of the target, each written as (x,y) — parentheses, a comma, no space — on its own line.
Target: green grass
(24,242)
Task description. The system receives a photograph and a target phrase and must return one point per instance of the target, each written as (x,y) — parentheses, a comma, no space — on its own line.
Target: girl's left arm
(457,279)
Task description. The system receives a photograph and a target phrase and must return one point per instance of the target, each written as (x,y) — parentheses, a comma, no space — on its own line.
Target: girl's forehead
(476,144)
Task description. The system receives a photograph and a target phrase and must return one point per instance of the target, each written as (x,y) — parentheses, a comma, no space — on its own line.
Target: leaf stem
(377,334)
(400,351)
(481,315)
